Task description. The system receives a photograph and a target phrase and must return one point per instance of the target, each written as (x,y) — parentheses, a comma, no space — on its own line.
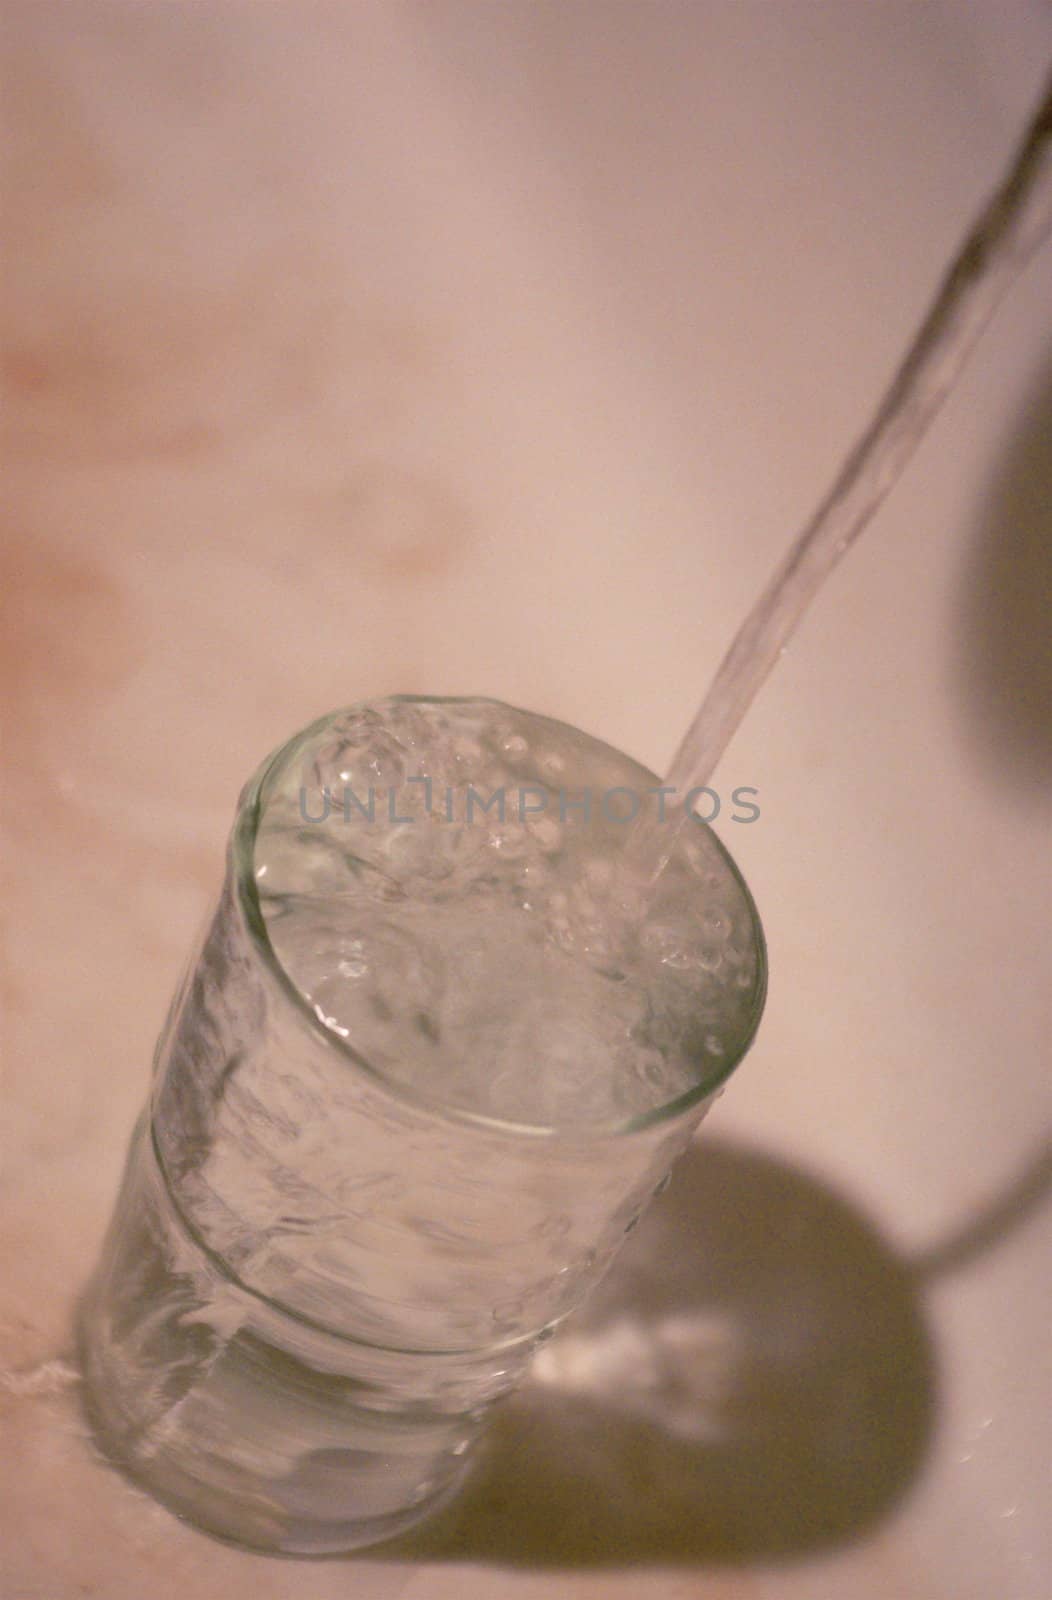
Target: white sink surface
(499,348)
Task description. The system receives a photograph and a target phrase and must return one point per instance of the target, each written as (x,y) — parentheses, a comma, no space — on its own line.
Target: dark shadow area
(1005,642)
(753,1380)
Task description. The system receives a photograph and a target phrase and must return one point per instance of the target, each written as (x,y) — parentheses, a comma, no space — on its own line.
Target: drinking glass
(317,1281)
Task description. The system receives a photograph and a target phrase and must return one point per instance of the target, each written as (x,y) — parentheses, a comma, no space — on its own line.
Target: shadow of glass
(1005,643)
(754,1379)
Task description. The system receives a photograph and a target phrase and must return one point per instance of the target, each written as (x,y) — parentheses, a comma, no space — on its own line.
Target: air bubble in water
(550,993)
(546,831)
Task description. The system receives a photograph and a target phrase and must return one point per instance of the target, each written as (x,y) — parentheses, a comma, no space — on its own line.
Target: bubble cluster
(444,884)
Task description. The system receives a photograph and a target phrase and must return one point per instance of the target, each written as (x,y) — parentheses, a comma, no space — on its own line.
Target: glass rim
(251,806)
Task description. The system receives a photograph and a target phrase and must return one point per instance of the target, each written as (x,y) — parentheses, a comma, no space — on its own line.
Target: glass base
(249,1423)
(331,1503)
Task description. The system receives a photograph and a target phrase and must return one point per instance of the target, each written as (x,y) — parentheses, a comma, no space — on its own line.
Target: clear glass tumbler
(315,1283)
